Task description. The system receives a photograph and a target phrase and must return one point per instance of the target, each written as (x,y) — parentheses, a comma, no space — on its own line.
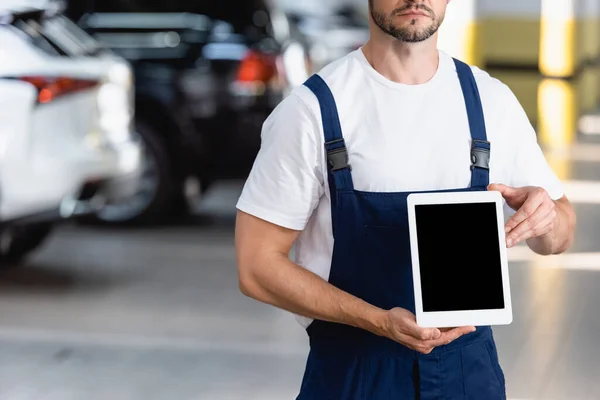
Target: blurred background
(127,129)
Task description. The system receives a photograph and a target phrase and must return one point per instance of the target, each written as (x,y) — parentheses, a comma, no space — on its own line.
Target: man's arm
(548,226)
(267,275)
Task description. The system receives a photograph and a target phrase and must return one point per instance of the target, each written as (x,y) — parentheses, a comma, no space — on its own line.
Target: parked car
(207,74)
(66,147)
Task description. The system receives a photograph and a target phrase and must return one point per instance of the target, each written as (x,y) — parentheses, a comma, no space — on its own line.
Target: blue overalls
(371,260)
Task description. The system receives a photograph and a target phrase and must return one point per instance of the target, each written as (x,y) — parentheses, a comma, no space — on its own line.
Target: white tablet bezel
(448,319)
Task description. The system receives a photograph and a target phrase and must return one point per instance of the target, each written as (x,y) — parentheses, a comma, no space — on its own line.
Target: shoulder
(336,75)
(493,91)
(292,121)
(491,84)
(300,110)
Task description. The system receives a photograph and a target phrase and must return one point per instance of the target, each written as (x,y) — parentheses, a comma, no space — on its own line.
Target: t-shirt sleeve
(286,180)
(530,166)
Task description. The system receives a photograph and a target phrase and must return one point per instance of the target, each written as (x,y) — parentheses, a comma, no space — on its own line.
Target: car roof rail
(30,10)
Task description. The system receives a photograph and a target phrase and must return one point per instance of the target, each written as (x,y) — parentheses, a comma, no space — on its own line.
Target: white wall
(460,14)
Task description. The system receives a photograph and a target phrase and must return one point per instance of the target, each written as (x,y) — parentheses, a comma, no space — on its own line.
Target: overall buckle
(480,156)
(337,158)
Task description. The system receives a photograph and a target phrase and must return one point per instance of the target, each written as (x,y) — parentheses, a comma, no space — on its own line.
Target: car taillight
(257,67)
(50,88)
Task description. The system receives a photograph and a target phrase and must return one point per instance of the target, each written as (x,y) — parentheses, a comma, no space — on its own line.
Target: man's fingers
(452,334)
(531,226)
(451,329)
(447,337)
(426,346)
(409,327)
(418,345)
(539,228)
(424,340)
(529,208)
(527,220)
(422,346)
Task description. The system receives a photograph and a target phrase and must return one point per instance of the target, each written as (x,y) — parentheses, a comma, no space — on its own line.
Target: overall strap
(338,168)
(480,147)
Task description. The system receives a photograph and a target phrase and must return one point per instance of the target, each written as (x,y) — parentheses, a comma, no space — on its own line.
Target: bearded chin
(407,35)
(414,36)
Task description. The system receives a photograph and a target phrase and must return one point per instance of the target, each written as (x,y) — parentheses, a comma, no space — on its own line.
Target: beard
(410,34)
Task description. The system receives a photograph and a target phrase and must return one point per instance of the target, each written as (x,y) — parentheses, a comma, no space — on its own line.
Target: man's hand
(536,212)
(402,328)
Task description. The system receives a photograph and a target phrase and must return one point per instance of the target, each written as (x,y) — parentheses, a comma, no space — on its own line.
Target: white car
(66,147)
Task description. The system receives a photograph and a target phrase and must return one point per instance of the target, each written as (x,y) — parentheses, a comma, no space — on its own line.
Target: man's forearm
(285,285)
(561,237)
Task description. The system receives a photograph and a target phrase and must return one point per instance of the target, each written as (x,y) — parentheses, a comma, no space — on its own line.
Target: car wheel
(157,189)
(18,241)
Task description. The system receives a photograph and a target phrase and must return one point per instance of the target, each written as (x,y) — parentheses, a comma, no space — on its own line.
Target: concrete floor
(156,314)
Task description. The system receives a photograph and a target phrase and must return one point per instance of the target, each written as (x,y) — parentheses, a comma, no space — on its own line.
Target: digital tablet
(459,259)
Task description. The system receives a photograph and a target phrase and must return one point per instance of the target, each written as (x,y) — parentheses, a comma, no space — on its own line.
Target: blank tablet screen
(459,257)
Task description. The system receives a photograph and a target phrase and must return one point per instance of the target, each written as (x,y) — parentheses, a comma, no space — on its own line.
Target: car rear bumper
(120,187)
(118,169)
(125,180)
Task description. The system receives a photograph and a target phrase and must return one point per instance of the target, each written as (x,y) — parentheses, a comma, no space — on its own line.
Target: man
(339,157)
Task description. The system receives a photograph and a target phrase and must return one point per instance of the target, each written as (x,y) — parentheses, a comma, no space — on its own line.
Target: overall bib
(371,260)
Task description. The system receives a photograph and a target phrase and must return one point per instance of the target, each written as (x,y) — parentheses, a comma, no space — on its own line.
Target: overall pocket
(333,377)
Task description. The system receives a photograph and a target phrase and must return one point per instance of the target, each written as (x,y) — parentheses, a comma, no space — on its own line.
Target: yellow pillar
(569,48)
(558,49)
(558,114)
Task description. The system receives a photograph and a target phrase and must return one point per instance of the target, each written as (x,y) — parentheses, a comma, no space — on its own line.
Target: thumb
(431,333)
(423,333)
(506,191)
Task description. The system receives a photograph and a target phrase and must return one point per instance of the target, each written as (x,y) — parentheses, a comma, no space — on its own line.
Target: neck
(406,63)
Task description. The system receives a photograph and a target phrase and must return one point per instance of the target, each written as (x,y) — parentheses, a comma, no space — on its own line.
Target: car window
(69,36)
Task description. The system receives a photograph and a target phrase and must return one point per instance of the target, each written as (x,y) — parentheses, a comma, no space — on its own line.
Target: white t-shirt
(399,137)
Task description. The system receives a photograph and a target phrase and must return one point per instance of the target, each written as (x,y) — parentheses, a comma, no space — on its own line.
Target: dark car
(207,75)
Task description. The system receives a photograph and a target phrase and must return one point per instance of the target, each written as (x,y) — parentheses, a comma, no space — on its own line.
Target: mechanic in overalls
(339,157)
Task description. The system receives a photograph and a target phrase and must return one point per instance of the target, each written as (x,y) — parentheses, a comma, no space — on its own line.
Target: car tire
(19,241)
(154,200)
